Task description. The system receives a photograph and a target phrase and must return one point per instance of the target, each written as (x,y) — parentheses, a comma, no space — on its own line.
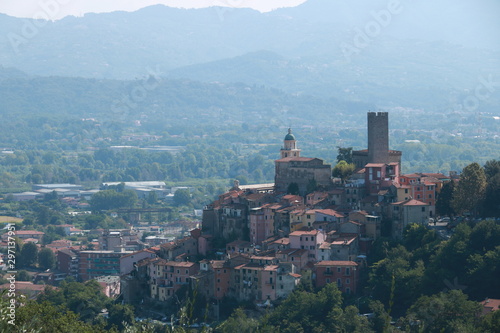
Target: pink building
(380,175)
(344,273)
(169,276)
(213,278)
(307,240)
(298,257)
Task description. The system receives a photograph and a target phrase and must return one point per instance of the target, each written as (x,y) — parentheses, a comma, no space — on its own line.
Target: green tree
(470,190)
(491,206)
(152,198)
(445,312)
(111,199)
(381,319)
(238,322)
(85,299)
(490,323)
(182,197)
(47,318)
(343,170)
(308,312)
(23,275)
(491,168)
(29,254)
(344,154)
(120,316)
(444,202)
(46,258)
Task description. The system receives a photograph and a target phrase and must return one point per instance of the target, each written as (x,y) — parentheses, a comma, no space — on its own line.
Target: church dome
(289,136)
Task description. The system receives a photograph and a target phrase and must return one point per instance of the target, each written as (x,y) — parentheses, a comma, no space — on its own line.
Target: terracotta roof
(410,202)
(295,275)
(329,212)
(180,264)
(28,232)
(304,232)
(412,175)
(336,263)
(217,263)
(282,241)
(271,268)
(325,245)
(490,305)
(353,222)
(362,212)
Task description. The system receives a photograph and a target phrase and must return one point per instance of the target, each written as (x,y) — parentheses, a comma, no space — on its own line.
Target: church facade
(301,175)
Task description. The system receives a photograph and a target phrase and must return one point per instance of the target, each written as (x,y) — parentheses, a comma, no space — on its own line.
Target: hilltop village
(264,239)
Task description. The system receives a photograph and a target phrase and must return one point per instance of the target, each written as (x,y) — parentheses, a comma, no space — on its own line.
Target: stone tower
(378,137)
(290,146)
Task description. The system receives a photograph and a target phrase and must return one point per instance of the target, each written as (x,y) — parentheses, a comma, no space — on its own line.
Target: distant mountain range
(319,48)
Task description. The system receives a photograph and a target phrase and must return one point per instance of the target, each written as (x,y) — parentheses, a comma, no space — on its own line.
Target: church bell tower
(289,148)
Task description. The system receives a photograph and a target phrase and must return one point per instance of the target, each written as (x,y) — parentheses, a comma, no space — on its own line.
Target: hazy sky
(57,9)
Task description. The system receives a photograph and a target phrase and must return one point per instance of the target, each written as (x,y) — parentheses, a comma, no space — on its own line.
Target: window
(281,286)
(423,209)
(327,280)
(430,196)
(312,239)
(339,269)
(406,190)
(307,239)
(347,290)
(347,271)
(347,281)
(187,271)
